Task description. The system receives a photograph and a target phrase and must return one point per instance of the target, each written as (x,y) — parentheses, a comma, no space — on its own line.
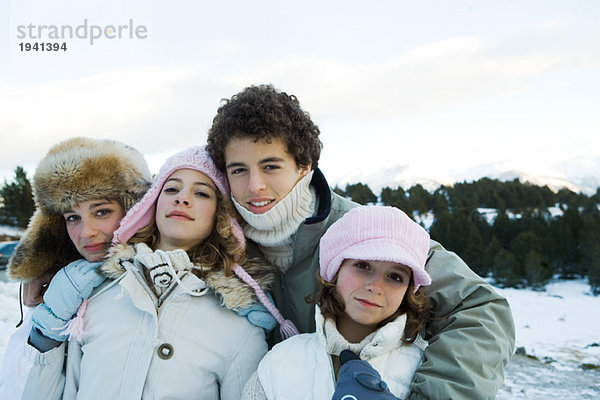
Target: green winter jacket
(468,347)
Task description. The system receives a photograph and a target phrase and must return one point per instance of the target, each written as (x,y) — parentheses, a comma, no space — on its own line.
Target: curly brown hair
(415,305)
(263,112)
(220,250)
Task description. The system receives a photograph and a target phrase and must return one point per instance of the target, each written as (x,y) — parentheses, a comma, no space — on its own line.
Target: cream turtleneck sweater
(275,230)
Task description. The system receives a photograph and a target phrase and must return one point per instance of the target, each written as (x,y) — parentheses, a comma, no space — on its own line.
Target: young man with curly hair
(270,148)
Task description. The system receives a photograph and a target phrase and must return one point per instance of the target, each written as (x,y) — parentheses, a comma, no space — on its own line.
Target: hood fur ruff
(74,171)
(234,293)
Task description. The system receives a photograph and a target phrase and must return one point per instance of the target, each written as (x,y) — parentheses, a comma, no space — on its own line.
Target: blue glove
(69,287)
(358,380)
(258,315)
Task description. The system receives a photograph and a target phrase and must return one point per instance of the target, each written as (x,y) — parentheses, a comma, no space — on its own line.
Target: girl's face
(185,210)
(90,226)
(372,291)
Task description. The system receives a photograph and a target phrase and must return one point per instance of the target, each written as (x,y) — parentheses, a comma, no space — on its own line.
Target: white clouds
(126,105)
(466,46)
(140,103)
(423,79)
(224,47)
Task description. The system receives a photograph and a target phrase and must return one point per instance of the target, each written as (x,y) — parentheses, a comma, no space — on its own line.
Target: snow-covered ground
(560,326)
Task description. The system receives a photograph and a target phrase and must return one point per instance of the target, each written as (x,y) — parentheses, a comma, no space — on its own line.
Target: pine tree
(503,229)
(536,269)
(474,252)
(504,269)
(589,245)
(593,272)
(491,250)
(419,199)
(360,193)
(566,233)
(439,200)
(17,200)
(339,191)
(395,198)
(441,229)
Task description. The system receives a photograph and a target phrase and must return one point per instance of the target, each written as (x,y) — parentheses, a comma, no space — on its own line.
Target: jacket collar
(319,183)
(385,339)
(233,292)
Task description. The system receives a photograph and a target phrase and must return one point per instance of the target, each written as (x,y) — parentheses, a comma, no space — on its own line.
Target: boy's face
(260,174)
(90,226)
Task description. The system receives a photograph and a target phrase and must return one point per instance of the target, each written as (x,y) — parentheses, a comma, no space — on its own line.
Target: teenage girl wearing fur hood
(82,188)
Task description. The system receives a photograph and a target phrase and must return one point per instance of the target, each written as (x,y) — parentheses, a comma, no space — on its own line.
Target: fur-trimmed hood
(74,171)
(233,292)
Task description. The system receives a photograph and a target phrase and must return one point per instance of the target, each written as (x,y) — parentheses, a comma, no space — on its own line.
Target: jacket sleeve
(46,379)
(17,361)
(473,338)
(23,366)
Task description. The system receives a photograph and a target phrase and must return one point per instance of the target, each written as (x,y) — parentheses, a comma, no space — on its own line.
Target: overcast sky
(436,85)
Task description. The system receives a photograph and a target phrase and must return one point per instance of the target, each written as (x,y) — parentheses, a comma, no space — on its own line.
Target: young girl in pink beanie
(166,323)
(370,301)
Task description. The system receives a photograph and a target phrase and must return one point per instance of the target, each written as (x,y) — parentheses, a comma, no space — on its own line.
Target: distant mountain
(580,175)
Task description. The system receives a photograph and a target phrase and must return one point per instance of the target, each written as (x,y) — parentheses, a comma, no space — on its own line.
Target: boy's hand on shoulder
(258,315)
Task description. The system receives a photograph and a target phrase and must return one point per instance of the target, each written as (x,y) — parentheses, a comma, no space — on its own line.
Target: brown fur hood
(234,293)
(74,171)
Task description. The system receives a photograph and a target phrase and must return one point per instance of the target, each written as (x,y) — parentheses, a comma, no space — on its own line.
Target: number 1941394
(43,46)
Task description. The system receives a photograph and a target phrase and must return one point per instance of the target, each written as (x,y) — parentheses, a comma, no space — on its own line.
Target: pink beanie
(141,214)
(375,233)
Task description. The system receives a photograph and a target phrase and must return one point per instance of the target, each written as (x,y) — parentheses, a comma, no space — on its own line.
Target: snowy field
(559,330)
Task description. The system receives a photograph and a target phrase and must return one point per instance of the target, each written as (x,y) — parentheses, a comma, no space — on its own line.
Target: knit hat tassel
(286,327)
(75,328)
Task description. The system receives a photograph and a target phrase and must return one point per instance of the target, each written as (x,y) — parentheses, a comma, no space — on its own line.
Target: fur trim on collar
(118,253)
(234,293)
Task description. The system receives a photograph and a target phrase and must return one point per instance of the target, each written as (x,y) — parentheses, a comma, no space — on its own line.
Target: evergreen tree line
(522,245)
(519,234)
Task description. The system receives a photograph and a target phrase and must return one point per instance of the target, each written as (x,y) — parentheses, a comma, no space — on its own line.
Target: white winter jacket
(20,358)
(136,347)
(300,367)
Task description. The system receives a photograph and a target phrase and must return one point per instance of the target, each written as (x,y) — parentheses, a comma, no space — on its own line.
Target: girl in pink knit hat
(370,302)
(166,324)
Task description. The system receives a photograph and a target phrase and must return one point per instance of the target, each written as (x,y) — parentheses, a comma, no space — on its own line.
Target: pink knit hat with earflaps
(140,215)
(375,233)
